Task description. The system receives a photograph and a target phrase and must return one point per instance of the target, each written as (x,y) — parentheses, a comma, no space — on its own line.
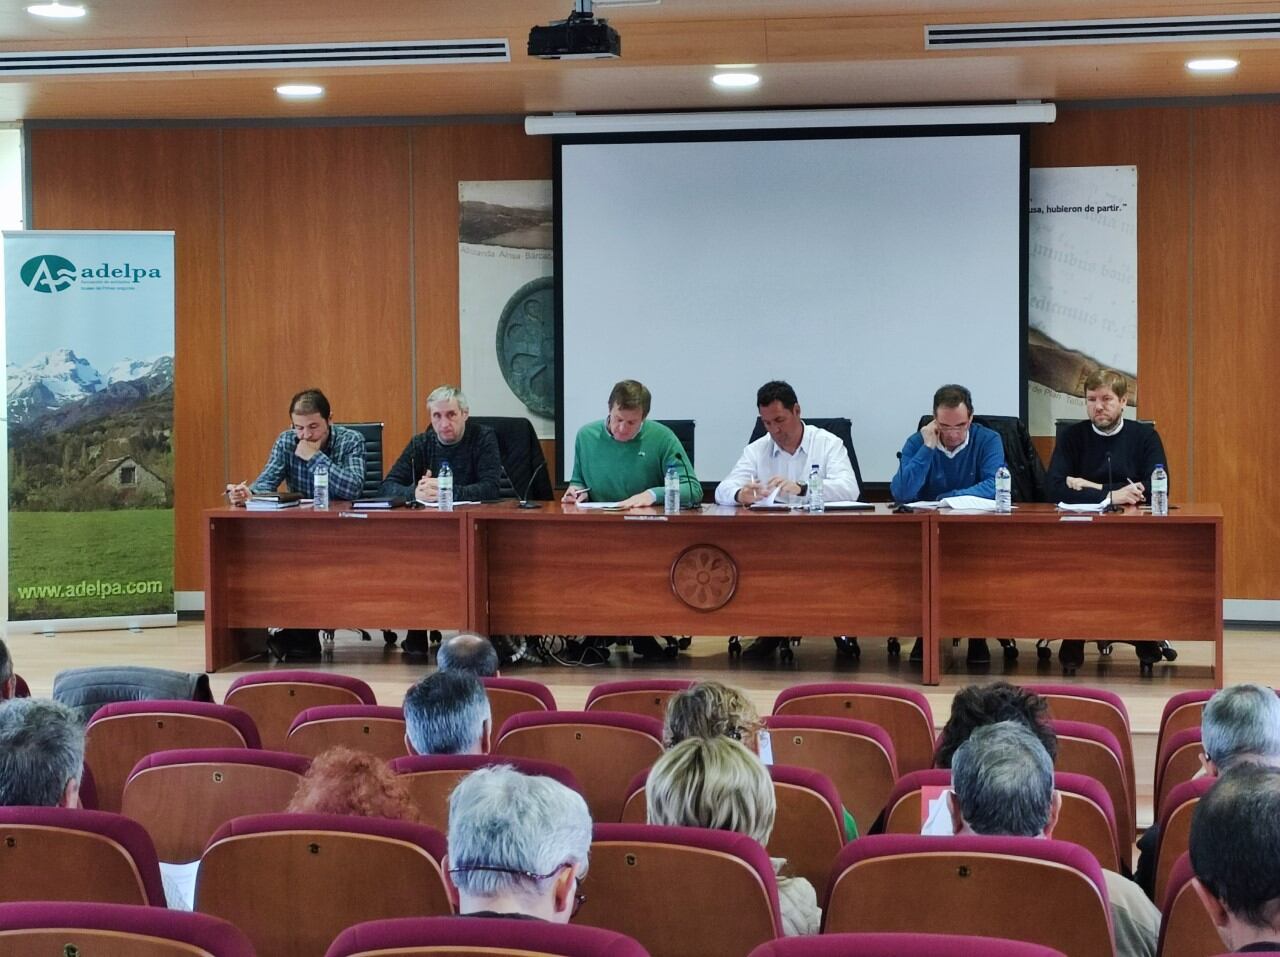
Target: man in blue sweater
(951,455)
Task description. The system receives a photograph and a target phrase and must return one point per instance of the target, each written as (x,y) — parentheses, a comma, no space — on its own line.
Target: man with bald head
(468,652)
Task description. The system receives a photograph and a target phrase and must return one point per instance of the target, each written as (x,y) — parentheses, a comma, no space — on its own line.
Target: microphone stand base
(530,505)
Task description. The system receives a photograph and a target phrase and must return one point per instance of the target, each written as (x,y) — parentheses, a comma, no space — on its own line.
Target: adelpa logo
(48,273)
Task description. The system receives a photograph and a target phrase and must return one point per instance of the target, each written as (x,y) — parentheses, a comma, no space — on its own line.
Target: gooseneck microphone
(524,499)
(1111,502)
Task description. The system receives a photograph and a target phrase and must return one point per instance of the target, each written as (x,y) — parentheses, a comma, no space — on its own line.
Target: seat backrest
(647,696)
(508,696)
(1177,762)
(1184,710)
(183,797)
(116,930)
(603,749)
(903,712)
(900,945)
(840,426)
(903,811)
(274,698)
(1175,828)
(901,884)
(524,465)
(20,688)
(293,882)
(808,828)
(1096,706)
(70,854)
(1186,929)
(372,432)
(120,735)
(469,937)
(1093,751)
(683,430)
(708,869)
(376,729)
(431,778)
(857,756)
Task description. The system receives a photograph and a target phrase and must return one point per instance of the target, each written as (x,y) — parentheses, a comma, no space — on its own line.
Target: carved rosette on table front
(704,577)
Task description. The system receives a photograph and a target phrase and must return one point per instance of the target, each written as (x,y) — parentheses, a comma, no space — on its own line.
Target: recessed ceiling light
(735,81)
(300,90)
(56,10)
(1218,65)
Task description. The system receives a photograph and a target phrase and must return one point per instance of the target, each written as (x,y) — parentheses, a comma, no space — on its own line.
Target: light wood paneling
(1157,141)
(1237,350)
(317,266)
(442,157)
(156,179)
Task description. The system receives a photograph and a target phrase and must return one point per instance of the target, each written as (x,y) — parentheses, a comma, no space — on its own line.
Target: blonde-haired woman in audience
(709,709)
(717,783)
(343,781)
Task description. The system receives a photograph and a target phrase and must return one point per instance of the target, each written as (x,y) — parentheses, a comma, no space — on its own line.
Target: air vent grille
(969,36)
(272,57)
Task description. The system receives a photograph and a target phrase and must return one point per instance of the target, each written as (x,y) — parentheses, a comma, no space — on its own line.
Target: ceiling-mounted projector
(580,37)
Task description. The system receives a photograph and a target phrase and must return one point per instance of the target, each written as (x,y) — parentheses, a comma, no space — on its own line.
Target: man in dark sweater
(1105,456)
(472,454)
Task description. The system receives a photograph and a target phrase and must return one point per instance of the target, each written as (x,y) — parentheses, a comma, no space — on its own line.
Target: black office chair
(524,467)
(372,432)
(683,429)
(1071,652)
(842,428)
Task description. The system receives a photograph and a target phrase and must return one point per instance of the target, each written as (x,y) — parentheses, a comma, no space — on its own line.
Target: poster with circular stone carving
(506,300)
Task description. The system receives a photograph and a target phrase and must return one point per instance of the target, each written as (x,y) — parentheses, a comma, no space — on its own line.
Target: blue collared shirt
(343,452)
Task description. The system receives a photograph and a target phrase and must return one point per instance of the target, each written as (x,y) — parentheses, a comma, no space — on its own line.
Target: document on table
(605,506)
(437,504)
(1084,506)
(970,503)
(925,505)
(770,500)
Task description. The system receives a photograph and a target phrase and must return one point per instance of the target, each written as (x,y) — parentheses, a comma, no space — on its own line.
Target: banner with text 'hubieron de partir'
(90,341)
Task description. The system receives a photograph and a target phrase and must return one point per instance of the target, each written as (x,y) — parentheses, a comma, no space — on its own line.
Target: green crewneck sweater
(615,470)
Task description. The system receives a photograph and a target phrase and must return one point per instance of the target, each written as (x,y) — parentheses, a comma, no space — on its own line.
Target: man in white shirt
(779,464)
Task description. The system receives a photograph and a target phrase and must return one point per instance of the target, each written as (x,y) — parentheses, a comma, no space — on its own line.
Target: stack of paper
(1085,506)
(970,503)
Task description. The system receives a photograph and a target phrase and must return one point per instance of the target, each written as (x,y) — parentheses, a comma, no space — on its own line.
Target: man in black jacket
(1102,456)
(472,456)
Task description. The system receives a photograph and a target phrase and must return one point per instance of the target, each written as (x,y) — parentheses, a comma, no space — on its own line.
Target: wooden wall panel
(157,179)
(443,156)
(1157,141)
(1236,341)
(318,290)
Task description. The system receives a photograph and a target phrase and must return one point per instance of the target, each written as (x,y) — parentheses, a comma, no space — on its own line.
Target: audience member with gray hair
(518,846)
(1002,785)
(468,652)
(447,712)
(1235,853)
(41,754)
(1240,725)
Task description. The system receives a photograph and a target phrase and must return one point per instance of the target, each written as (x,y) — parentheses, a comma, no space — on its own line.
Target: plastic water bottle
(815,502)
(671,490)
(320,486)
(444,488)
(1159,491)
(1004,490)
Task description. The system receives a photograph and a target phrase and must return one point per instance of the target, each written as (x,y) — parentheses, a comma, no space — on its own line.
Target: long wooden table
(559,569)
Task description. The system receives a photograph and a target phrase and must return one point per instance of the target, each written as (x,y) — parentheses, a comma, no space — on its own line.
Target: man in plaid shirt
(313,439)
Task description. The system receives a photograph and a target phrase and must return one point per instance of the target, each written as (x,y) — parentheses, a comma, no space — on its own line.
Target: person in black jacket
(1102,456)
(472,454)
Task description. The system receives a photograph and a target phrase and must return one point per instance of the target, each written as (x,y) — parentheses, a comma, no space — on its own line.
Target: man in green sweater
(623,458)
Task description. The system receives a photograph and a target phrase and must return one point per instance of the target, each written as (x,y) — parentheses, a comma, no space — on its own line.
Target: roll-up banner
(90,342)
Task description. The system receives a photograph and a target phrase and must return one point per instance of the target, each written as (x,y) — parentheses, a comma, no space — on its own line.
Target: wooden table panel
(336,569)
(797,574)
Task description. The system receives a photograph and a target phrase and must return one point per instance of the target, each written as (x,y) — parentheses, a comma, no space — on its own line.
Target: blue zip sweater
(926,474)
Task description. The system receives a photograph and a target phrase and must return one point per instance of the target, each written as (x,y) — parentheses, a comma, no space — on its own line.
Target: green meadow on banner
(90,426)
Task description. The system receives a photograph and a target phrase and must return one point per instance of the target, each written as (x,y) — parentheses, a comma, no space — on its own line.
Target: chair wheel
(1043,651)
(684,641)
(847,647)
(1105,648)
(389,637)
(435,636)
(894,647)
(786,654)
(735,647)
(1168,652)
(364,635)
(1010,649)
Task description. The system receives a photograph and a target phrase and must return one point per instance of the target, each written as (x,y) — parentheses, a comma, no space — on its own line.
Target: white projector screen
(866,270)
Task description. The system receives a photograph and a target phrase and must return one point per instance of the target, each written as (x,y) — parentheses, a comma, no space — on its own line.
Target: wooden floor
(1248,654)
